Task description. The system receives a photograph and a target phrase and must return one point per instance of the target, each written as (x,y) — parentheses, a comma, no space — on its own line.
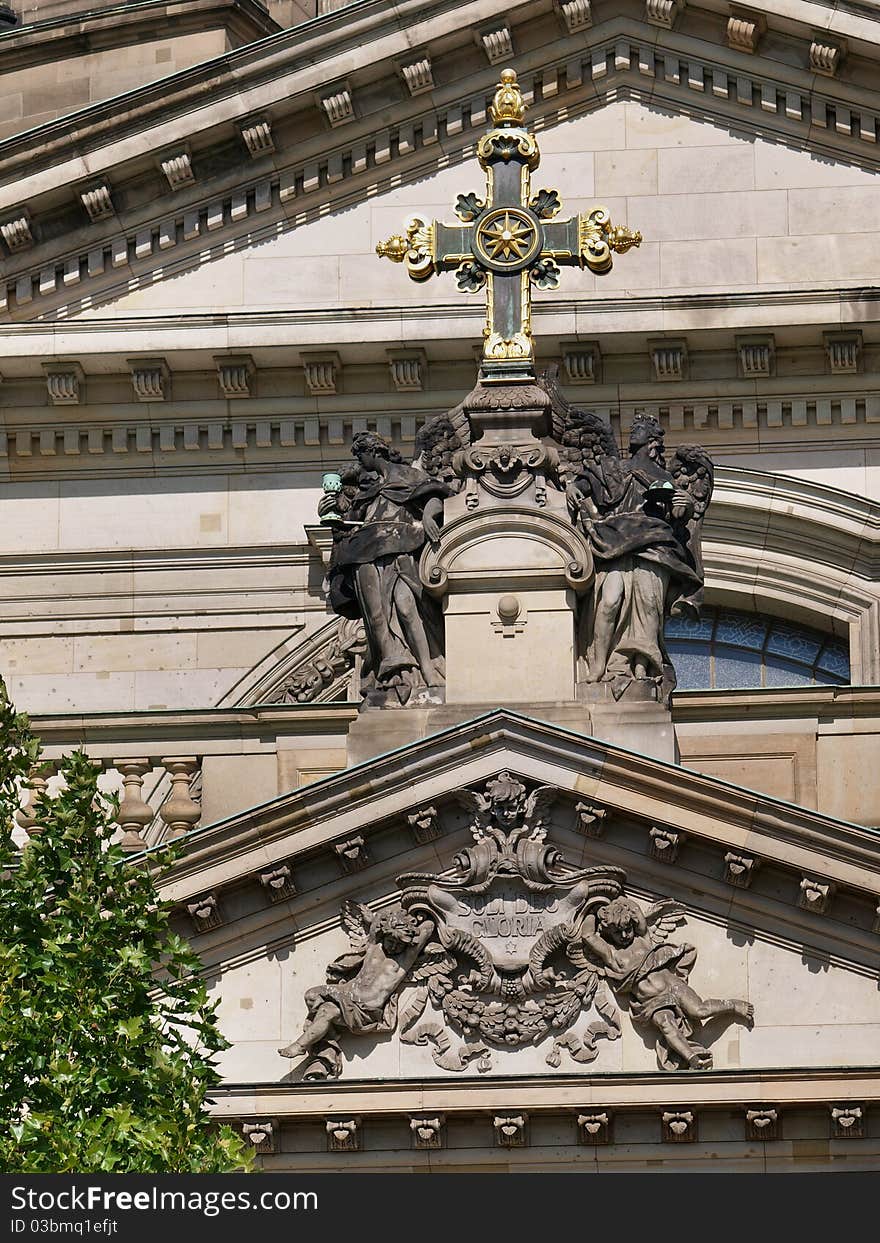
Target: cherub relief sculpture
(390,511)
(513,948)
(637,958)
(643,522)
(361,993)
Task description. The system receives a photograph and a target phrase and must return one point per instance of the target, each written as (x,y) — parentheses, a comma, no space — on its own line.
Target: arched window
(741,651)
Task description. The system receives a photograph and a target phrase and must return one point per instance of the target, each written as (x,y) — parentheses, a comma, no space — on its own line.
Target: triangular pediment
(240,193)
(776,901)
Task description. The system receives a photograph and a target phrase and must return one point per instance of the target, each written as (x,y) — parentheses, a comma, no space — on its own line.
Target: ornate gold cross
(510,240)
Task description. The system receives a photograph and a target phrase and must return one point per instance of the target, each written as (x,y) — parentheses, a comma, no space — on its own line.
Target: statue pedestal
(512,647)
(509,575)
(642,727)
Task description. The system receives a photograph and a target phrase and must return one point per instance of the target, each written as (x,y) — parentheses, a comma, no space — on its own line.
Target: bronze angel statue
(634,951)
(643,521)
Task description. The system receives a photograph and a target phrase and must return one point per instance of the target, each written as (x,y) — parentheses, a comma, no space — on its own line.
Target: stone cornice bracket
(594,1128)
(679,1128)
(496,41)
(97,201)
(827,55)
(408,369)
(669,359)
(417,74)
(427,1133)
(756,356)
(65,383)
(663,12)
(343,1134)
(321,539)
(16,231)
(815,895)
(424,824)
(338,106)
(576,15)
(178,169)
(150,379)
(739,870)
(322,373)
(278,883)
(847,1122)
(876,925)
(745,28)
(590,820)
(843,351)
(256,134)
(351,854)
(235,375)
(666,843)
(510,1130)
(762,1124)
(205,912)
(261,1135)
(582,361)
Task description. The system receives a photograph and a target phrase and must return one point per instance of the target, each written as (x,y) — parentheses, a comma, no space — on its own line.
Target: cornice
(280,427)
(803,1086)
(390,136)
(210,728)
(627,782)
(830,703)
(118,25)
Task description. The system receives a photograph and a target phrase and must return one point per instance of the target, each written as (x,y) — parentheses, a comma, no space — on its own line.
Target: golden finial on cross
(510,240)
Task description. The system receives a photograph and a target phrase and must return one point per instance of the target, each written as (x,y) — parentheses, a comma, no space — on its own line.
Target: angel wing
(537,813)
(477,807)
(663,918)
(560,410)
(437,442)
(692,470)
(357,920)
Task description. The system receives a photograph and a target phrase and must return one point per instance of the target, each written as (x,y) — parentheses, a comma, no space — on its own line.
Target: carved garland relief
(514,947)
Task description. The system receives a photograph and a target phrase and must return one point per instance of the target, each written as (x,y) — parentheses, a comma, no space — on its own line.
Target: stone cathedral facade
(505,641)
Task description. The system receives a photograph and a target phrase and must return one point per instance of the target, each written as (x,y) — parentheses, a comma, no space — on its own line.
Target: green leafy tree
(107,1036)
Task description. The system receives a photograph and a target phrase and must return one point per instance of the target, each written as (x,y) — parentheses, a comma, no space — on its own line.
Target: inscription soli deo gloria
(508,916)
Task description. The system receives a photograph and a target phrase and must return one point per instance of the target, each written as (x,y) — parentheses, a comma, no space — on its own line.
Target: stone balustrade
(158,797)
(173,771)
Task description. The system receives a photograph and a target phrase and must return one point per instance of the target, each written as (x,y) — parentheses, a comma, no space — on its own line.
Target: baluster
(134,813)
(25,815)
(180,811)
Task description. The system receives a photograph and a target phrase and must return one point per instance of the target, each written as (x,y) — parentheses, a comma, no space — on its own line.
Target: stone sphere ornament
(509,609)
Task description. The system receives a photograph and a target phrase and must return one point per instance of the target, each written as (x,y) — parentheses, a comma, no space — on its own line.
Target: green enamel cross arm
(509,241)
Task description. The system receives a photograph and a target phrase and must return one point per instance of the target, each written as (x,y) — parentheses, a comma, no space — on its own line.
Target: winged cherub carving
(638,959)
(360,995)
